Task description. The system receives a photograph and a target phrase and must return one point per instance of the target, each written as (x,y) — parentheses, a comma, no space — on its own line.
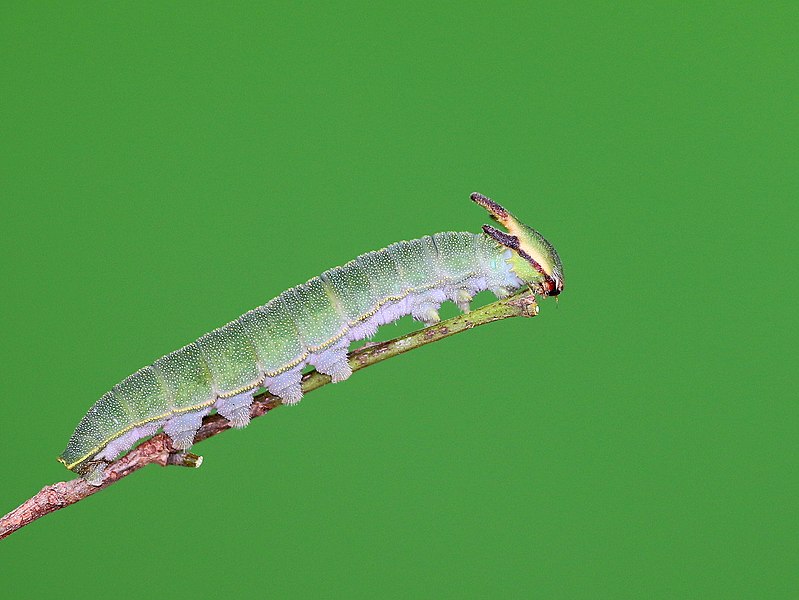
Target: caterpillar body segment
(310,324)
(231,360)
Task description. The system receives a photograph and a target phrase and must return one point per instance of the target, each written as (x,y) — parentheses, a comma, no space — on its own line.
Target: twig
(159,450)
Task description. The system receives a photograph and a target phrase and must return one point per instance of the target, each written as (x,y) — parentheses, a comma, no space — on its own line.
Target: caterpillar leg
(182,428)
(366,329)
(501,292)
(94,473)
(287,385)
(333,361)
(125,442)
(462,293)
(427,314)
(425,307)
(236,409)
(462,300)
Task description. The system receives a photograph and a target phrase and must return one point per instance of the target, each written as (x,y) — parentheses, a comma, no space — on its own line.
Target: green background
(168,166)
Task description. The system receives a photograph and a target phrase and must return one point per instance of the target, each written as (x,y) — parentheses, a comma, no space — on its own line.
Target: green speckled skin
(186,377)
(297,326)
(116,413)
(316,318)
(350,285)
(142,395)
(282,344)
(456,254)
(96,425)
(230,358)
(381,270)
(414,270)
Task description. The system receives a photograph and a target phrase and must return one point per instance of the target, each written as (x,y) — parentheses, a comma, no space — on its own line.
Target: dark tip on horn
(495,210)
(478,197)
(511,241)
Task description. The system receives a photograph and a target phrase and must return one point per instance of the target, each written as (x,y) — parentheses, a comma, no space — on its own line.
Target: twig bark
(158,449)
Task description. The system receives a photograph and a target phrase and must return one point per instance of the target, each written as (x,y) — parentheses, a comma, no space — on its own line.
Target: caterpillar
(310,324)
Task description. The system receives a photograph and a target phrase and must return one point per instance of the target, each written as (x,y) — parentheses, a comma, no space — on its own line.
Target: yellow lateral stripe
(283,369)
(124,430)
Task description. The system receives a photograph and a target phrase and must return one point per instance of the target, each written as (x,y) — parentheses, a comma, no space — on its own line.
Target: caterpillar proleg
(310,324)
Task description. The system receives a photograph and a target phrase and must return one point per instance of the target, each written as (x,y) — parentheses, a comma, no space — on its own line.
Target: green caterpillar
(310,324)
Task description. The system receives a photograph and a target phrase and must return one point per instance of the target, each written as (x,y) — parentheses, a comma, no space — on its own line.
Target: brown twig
(159,450)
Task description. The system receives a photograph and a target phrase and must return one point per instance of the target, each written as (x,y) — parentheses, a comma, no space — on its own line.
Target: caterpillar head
(534,259)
